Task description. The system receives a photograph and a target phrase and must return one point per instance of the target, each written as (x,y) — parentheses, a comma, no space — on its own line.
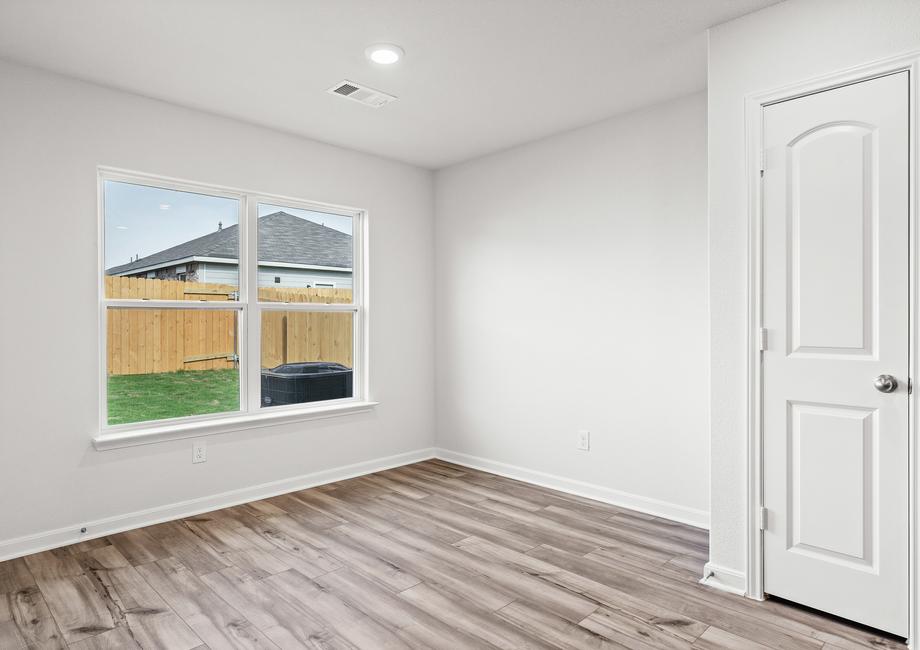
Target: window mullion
(243,345)
(250,266)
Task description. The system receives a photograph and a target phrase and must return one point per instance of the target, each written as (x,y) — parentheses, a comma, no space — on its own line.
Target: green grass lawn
(136,398)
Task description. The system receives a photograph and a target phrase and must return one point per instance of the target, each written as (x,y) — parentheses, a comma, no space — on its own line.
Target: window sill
(154,434)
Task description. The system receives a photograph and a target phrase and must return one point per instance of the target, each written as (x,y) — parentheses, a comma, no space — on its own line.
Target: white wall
(54,132)
(783,44)
(571,294)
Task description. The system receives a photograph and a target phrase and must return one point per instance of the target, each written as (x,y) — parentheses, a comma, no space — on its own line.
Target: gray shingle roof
(282,238)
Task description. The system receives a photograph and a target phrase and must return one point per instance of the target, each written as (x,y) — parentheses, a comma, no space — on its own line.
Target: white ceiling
(478,76)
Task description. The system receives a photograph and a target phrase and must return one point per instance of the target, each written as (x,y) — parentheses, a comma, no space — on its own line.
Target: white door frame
(753,114)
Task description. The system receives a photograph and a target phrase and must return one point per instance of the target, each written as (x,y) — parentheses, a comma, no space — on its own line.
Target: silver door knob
(885,384)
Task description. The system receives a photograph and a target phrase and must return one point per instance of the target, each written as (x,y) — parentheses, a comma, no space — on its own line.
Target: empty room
(454,324)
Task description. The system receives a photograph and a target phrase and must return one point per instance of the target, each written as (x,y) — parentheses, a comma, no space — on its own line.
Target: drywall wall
(571,294)
(54,132)
(781,45)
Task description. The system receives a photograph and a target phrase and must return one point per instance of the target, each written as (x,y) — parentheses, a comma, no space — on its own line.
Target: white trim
(914,285)
(153,303)
(102,370)
(656,507)
(310,267)
(20,546)
(249,284)
(230,261)
(754,105)
(724,579)
(360,282)
(243,340)
(753,574)
(28,544)
(309,306)
(208,425)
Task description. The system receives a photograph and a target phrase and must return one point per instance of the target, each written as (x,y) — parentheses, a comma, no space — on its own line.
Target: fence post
(284,338)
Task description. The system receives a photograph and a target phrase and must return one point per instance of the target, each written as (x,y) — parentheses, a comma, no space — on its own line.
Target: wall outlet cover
(199,452)
(584,440)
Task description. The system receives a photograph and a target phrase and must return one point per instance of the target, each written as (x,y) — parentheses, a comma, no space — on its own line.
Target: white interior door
(836,311)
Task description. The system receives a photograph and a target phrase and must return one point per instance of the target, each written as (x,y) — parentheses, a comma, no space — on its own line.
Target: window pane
(304,256)
(169,363)
(169,245)
(306,356)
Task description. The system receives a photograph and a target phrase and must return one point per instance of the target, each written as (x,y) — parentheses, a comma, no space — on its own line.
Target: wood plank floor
(431,555)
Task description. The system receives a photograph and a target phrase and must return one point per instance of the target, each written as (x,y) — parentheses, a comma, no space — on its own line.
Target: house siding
(290,278)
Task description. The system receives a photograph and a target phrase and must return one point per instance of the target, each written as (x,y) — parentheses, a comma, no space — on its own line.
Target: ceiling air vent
(361,94)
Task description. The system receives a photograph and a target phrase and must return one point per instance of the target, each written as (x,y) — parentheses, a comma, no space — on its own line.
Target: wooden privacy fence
(144,341)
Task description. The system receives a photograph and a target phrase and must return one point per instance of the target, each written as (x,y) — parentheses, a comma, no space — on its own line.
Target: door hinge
(762,338)
(910,385)
(762,161)
(763,519)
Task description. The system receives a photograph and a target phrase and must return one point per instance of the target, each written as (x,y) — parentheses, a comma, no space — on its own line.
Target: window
(307,354)
(196,323)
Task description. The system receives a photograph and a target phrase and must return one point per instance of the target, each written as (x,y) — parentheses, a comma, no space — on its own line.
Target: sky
(141,220)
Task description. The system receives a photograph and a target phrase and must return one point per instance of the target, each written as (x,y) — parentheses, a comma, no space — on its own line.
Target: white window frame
(249,314)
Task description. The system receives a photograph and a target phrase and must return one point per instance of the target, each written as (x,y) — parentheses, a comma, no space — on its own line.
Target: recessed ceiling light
(384,53)
(165,206)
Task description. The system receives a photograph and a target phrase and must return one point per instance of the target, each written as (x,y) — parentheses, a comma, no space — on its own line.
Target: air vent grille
(361,94)
(345,89)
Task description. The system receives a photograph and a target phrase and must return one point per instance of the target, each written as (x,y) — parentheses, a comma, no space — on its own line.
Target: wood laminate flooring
(431,555)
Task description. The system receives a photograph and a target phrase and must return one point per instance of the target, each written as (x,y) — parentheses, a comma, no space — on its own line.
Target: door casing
(754,106)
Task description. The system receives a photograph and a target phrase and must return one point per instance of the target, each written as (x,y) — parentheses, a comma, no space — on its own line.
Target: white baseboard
(17,547)
(672,511)
(723,579)
(20,546)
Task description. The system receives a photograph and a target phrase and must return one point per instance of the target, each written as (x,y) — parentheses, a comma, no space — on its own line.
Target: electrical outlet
(199,452)
(584,440)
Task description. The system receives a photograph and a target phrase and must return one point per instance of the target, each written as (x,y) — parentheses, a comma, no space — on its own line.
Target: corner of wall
(723,579)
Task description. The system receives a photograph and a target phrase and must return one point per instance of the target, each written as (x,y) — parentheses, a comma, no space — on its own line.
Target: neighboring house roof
(282,238)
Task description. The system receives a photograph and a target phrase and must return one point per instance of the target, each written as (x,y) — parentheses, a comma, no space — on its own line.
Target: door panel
(835,306)
(830,238)
(830,504)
